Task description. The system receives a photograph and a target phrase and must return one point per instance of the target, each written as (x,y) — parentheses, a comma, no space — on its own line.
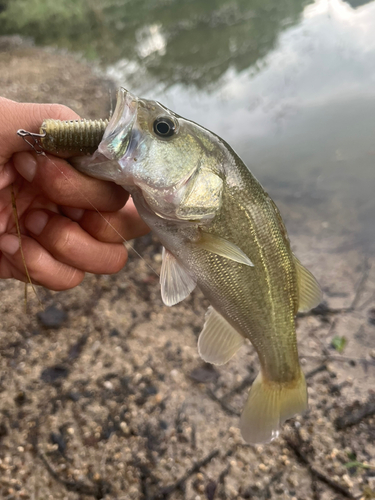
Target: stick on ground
(168,490)
(353,416)
(297,449)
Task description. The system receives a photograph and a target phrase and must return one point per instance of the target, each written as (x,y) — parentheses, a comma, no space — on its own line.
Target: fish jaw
(179,175)
(118,143)
(118,134)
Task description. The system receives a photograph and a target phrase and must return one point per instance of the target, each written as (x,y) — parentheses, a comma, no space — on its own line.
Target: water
(302,118)
(289,84)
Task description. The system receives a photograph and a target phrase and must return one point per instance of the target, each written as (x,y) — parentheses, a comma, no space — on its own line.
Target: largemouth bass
(223,233)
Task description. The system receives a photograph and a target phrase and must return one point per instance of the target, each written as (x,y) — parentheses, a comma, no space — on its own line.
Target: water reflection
(357,3)
(194,42)
(304,122)
(179,41)
(288,83)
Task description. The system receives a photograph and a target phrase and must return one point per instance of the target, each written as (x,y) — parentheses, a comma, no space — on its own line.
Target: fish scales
(237,292)
(223,233)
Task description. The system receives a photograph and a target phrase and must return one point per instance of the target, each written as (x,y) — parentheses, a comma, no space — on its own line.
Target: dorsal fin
(309,292)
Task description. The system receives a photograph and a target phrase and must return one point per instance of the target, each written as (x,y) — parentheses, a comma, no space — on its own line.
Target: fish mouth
(117,135)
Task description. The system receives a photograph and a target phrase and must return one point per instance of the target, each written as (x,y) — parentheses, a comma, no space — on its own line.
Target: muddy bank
(31,74)
(102,392)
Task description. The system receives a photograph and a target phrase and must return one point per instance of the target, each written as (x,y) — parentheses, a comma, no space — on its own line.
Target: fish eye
(164,126)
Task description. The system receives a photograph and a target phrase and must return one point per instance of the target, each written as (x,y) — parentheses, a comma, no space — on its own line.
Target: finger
(64,185)
(112,227)
(30,117)
(8,175)
(43,268)
(67,242)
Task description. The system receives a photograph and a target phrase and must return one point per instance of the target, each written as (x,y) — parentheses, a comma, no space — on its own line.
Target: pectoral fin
(176,283)
(218,341)
(223,247)
(309,292)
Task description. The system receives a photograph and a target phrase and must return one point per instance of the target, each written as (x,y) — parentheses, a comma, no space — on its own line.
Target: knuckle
(69,277)
(63,241)
(54,184)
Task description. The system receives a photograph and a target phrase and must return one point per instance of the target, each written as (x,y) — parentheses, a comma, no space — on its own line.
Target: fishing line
(127,244)
(24,134)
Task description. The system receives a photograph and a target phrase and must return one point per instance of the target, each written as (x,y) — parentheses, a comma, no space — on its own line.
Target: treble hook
(24,134)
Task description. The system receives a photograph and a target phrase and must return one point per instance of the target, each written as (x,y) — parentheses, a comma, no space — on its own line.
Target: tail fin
(268,405)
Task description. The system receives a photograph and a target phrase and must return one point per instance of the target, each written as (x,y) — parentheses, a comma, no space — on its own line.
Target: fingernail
(9,244)
(26,165)
(36,222)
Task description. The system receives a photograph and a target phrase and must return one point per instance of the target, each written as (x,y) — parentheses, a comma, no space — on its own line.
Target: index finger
(64,185)
(28,116)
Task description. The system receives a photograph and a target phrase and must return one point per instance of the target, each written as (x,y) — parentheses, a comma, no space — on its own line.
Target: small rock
(163,425)
(20,398)
(58,440)
(371,316)
(3,430)
(53,373)
(347,480)
(52,317)
(96,346)
(74,396)
(125,428)
(204,374)
(210,490)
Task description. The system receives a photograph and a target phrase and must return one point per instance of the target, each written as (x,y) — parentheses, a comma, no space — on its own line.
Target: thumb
(15,116)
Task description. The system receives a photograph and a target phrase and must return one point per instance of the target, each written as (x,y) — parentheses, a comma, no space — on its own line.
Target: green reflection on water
(177,41)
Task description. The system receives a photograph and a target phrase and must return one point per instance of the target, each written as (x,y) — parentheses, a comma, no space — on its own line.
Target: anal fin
(218,341)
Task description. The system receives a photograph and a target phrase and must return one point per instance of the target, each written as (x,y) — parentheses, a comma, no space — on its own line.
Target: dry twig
(98,491)
(166,491)
(226,407)
(353,415)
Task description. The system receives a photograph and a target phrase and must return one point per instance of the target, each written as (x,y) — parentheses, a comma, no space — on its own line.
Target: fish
(220,232)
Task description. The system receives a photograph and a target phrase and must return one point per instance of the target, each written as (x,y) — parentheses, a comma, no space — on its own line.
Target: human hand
(62,235)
